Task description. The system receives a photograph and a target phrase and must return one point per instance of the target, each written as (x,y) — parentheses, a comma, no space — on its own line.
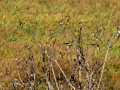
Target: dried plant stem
(19,74)
(64,75)
(55,79)
(79,72)
(105,61)
(103,68)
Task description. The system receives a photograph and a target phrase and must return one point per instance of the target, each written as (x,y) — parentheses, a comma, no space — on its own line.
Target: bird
(39,44)
(98,47)
(93,35)
(81,24)
(118,33)
(21,23)
(27,46)
(68,18)
(68,45)
(77,50)
(102,28)
(48,44)
(15,58)
(61,56)
(61,23)
(51,31)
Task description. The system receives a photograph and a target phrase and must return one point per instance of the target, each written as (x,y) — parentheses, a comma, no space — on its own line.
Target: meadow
(42,16)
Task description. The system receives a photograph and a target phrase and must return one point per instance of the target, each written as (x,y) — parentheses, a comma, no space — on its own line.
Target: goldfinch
(118,33)
(68,45)
(52,31)
(21,23)
(28,47)
(61,23)
(102,28)
(92,34)
(81,24)
(48,44)
(15,58)
(68,18)
(39,44)
(98,47)
(61,56)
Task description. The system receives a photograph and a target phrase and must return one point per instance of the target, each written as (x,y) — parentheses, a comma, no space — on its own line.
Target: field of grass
(40,16)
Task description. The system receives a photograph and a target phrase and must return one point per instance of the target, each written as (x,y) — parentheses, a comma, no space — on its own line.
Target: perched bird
(61,56)
(15,58)
(28,47)
(98,47)
(102,28)
(78,50)
(81,24)
(39,44)
(52,31)
(118,33)
(68,45)
(21,23)
(92,34)
(61,23)
(96,38)
(68,18)
(48,44)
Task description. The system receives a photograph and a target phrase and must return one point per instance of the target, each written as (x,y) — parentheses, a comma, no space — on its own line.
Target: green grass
(47,15)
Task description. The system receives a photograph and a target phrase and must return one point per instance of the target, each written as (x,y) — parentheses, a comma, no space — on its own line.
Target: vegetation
(40,17)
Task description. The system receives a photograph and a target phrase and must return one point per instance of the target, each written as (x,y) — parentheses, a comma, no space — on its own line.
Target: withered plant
(86,69)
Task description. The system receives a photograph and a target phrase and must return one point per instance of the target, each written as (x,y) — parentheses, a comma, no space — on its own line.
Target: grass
(47,14)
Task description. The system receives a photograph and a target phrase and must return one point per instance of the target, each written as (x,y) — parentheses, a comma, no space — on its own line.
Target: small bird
(98,47)
(68,18)
(81,24)
(68,45)
(28,47)
(52,31)
(61,56)
(15,58)
(118,33)
(39,44)
(21,23)
(78,50)
(48,44)
(102,28)
(61,23)
(93,35)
